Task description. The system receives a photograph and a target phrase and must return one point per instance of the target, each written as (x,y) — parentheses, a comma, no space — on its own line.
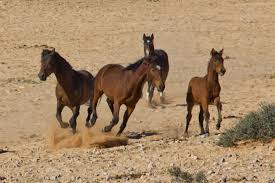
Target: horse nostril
(42,76)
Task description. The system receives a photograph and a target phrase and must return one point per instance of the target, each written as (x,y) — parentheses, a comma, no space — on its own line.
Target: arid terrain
(90,34)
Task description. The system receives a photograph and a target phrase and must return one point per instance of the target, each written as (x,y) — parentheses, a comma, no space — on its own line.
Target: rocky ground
(90,34)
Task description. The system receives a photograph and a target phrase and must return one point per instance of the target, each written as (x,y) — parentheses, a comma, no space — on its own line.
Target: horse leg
(201,118)
(97,95)
(110,104)
(126,116)
(90,110)
(58,115)
(188,116)
(75,110)
(148,90)
(218,103)
(206,116)
(161,97)
(114,120)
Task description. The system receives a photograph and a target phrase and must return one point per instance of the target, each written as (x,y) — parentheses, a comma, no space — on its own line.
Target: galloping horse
(161,59)
(205,91)
(73,88)
(123,86)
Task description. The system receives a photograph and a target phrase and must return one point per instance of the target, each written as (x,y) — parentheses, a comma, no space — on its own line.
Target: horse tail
(91,84)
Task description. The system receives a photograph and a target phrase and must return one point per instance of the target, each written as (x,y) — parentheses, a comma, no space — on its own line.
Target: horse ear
(213,52)
(221,52)
(144,36)
(53,51)
(152,36)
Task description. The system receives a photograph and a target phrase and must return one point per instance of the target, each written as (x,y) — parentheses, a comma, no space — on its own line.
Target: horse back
(109,78)
(162,61)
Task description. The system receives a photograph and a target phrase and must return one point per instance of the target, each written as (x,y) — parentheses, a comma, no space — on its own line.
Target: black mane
(58,58)
(135,65)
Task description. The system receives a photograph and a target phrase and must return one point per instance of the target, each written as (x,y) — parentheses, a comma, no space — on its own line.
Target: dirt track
(91,34)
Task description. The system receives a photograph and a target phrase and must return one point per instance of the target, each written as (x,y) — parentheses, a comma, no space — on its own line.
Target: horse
(204,91)
(123,85)
(73,88)
(161,62)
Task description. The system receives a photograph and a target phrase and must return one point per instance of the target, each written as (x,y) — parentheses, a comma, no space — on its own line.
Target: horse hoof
(218,126)
(206,134)
(118,134)
(105,130)
(64,125)
(74,131)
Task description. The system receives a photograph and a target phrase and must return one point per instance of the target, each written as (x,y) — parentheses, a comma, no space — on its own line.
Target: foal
(161,59)
(123,86)
(73,88)
(205,91)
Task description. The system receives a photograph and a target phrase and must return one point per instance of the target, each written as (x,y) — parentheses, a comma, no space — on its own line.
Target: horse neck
(139,76)
(151,50)
(64,74)
(212,76)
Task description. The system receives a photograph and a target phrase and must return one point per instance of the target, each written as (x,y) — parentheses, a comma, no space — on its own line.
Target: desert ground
(90,34)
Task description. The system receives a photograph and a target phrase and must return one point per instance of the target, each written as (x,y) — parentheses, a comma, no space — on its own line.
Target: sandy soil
(90,34)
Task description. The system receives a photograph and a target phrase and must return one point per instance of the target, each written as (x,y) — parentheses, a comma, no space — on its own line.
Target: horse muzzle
(222,72)
(42,76)
(161,88)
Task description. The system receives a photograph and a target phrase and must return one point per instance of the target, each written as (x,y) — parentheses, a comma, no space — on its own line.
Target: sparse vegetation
(258,125)
(182,176)
(200,177)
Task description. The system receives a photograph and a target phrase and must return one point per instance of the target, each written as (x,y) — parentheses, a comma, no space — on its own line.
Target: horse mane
(135,65)
(62,63)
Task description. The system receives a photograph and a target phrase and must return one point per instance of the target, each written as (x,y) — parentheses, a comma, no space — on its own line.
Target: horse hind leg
(110,104)
(219,109)
(74,117)
(89,111)
(96,97)
(59,110)
(115,119)
(188,116)
(126,116)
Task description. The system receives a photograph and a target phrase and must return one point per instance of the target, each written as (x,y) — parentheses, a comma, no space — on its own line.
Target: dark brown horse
(161,59)
(123,86)
(205,91)
(73,88)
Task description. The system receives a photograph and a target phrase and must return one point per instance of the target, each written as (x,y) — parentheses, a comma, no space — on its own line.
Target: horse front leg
(218,104)
(75,111)
(126,116)
(206,116)
(59,109)
(114,120)
(201,118)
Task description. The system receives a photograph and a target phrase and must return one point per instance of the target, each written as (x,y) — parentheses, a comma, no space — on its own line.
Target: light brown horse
(205,91)
(123,86)
(73,88)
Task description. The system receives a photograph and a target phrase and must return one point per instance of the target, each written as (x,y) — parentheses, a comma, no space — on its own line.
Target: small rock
(194,157)
(2,178)
(222,160)
(271,148)
(224,179)
(210,172)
